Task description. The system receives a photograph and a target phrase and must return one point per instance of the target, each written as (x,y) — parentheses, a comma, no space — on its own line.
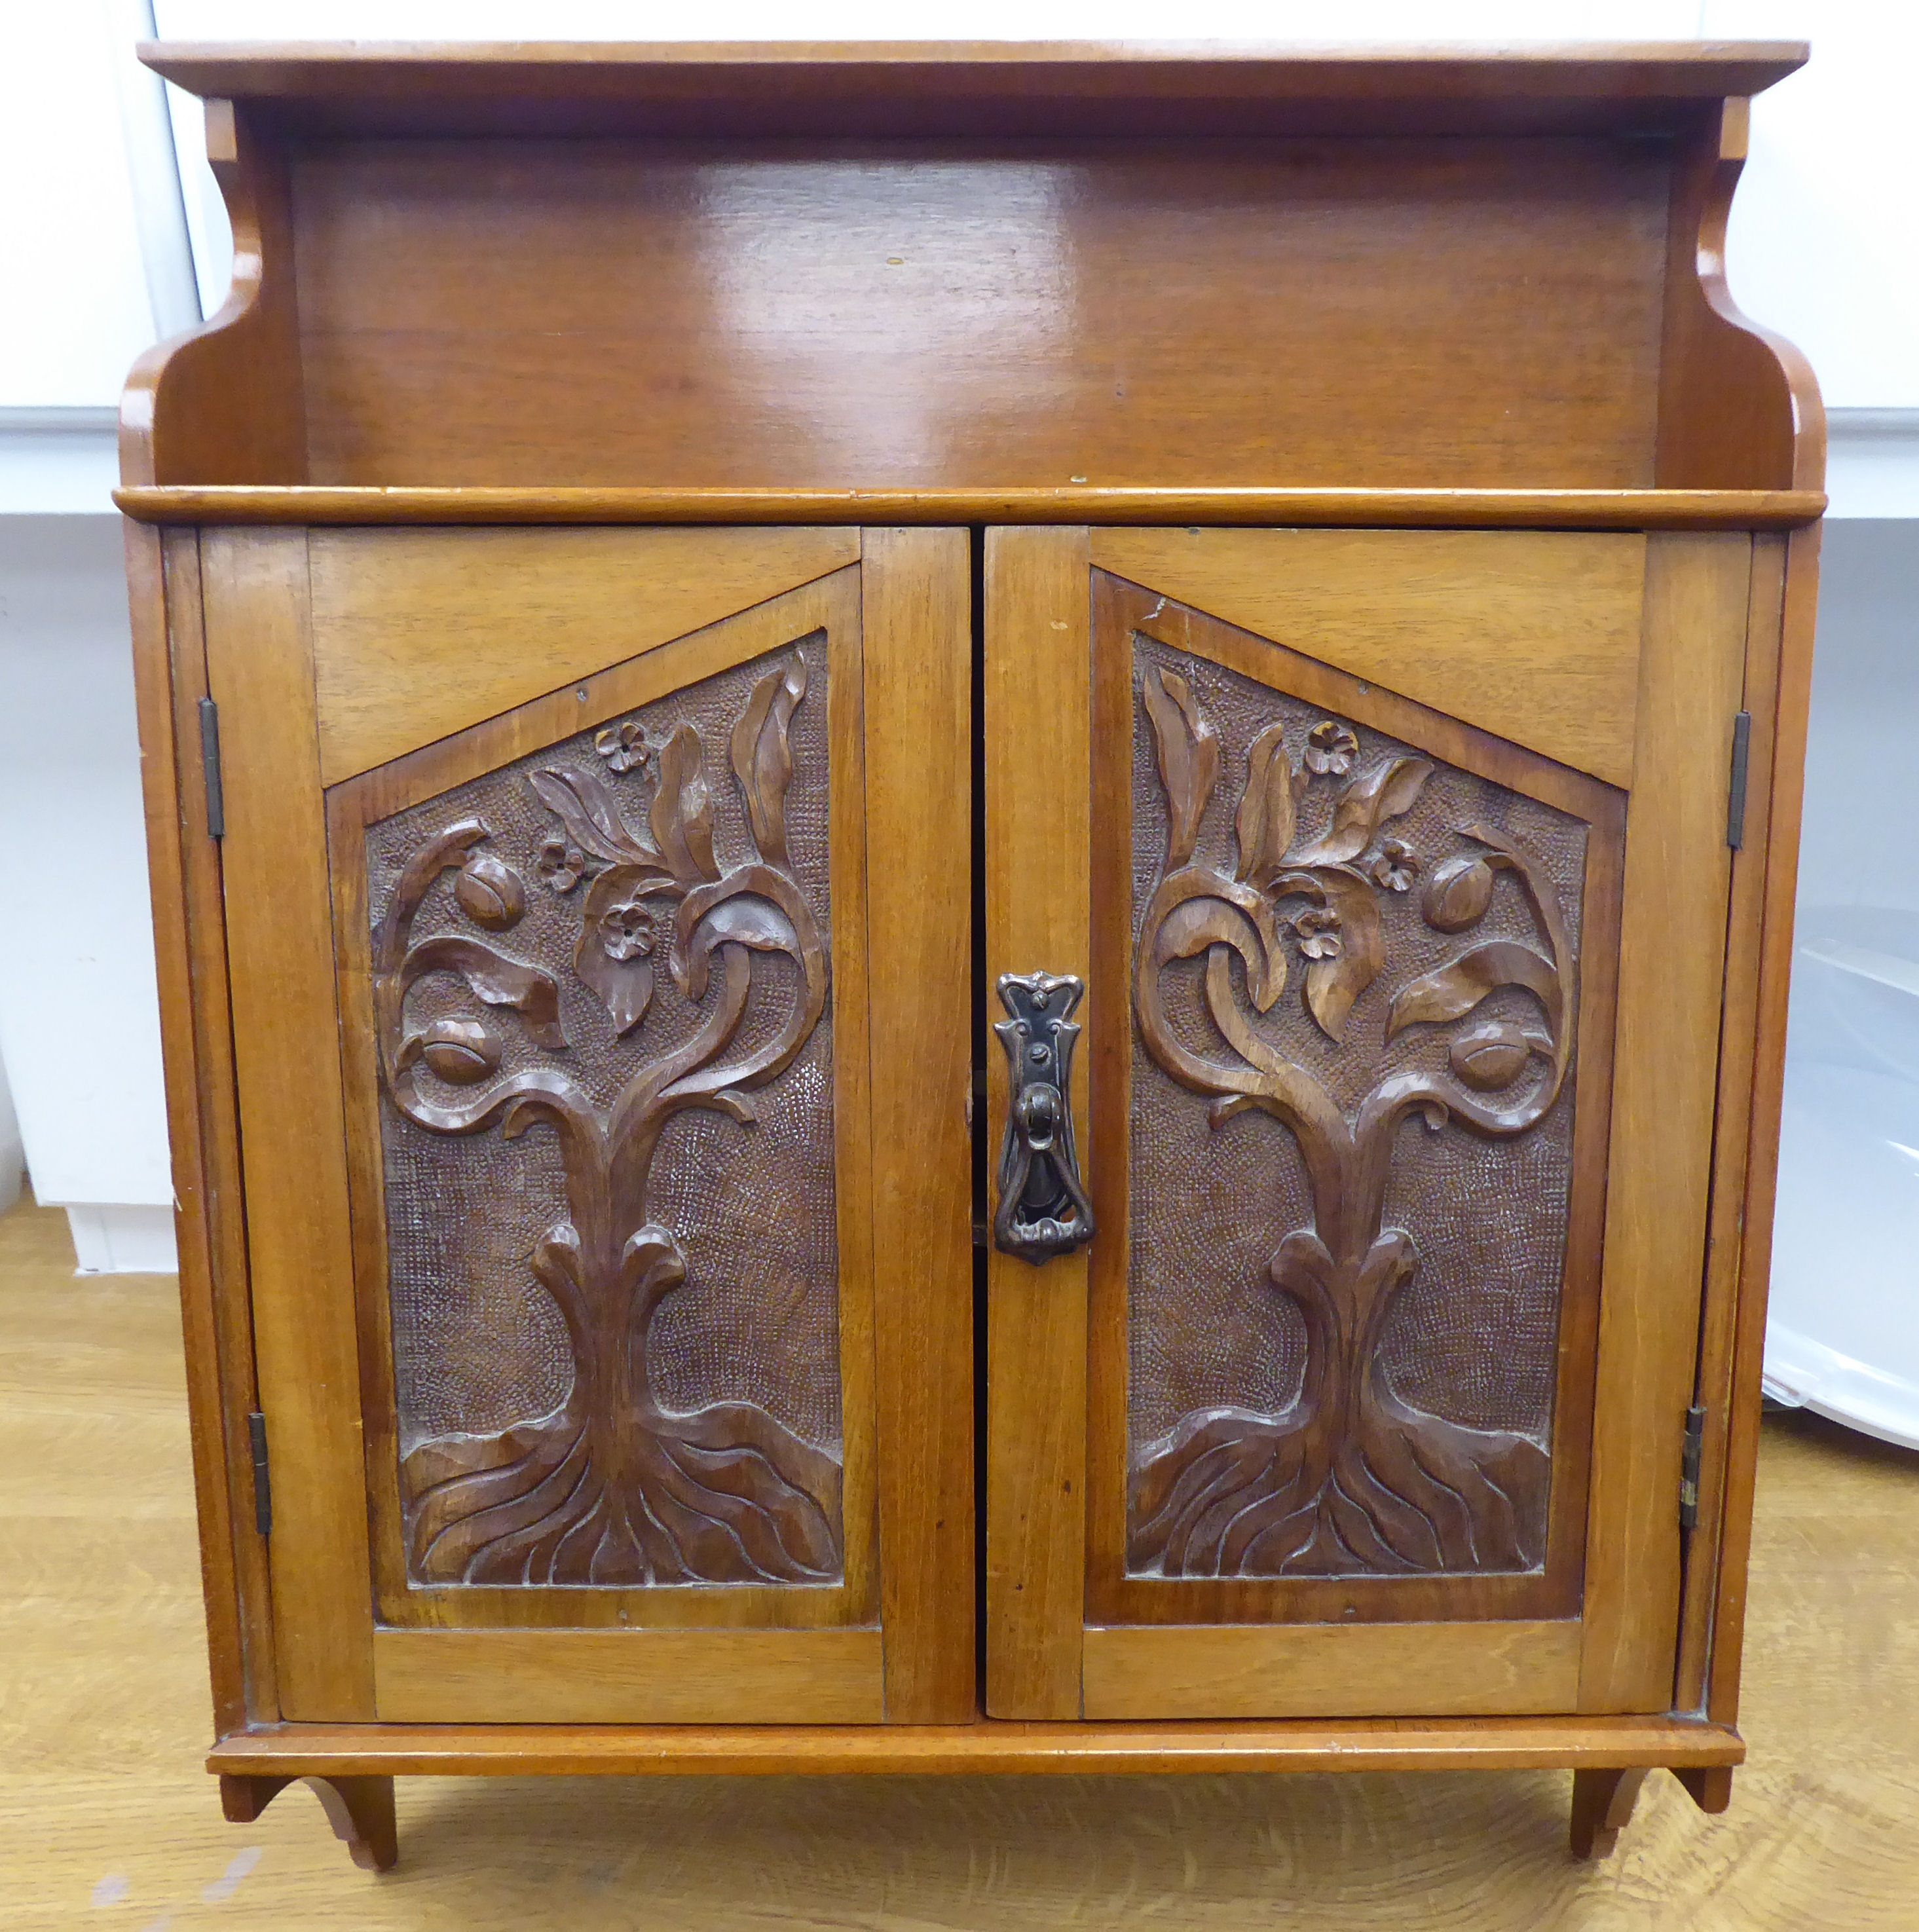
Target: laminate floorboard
(107,1822)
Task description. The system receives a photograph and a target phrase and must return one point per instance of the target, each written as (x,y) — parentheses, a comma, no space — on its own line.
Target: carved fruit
(461,1052)
(1490,1056)
(490,893)
(1458,894)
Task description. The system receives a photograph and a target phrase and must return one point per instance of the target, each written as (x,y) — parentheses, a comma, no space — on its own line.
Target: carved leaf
(622,975)
(495,978)
(1385,792)
(1445,995)
(745,920)
(1265,819)
(584,804)
(761,760)
(1332,985)
(1197,924)
(682,811)
(1189,751)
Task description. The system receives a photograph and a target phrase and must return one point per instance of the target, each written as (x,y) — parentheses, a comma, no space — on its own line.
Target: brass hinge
(1688,1468)
(216,800)
(262,1481)
(1735,796)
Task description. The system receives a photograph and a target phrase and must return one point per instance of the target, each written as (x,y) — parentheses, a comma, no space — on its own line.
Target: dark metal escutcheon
(1043,1208)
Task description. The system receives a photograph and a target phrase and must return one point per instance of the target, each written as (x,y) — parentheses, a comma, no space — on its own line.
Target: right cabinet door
(1395,864)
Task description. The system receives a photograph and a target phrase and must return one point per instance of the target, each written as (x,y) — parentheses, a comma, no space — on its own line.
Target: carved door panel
(1402,917)
(546,885)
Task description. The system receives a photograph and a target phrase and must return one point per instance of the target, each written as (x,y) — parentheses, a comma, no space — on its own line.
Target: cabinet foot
(1709,1786)
(1602,1803)
(359,1809)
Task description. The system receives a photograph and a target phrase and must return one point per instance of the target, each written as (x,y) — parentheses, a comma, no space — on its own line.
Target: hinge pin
(216,801)
(262,1482)
(1688,1468)
(1735,796)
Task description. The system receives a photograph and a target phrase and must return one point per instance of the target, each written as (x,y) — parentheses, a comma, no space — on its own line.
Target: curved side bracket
(225,402)
(1739,407)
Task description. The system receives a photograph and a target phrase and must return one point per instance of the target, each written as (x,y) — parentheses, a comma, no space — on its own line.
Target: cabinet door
(608,1309)
(1395,865)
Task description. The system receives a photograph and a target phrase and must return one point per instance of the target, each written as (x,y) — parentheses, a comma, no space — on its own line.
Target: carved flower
(623,746)
(559,865)
(631,929)
(1331,747)
(1395,866)
(1317,931)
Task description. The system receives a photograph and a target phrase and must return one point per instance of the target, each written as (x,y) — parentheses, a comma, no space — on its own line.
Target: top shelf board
(933,89)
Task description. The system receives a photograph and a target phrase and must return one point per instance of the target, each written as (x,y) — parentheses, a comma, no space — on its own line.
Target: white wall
(1863,759)
(75,313)
(78,1031)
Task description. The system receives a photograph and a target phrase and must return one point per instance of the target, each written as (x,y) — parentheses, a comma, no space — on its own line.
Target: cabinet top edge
(1632,509)
(505,86)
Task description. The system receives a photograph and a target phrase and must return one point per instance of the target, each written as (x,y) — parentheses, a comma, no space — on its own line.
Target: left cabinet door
(565,950)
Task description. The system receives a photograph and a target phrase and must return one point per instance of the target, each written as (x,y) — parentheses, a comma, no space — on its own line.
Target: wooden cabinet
(974,917)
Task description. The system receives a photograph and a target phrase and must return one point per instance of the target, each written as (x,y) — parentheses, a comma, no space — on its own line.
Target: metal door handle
(1043,1208)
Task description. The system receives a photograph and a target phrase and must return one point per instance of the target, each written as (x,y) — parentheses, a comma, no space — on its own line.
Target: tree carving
(614,1488)
(1351,1478)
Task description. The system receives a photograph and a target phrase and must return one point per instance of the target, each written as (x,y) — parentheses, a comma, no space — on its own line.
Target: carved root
(726,1495)
(1231,1493)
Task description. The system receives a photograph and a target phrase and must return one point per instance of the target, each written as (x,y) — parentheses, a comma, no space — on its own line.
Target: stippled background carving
(479,1345)
(1473,1338)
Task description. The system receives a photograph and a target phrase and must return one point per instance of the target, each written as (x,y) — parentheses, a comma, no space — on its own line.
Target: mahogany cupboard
(973,869)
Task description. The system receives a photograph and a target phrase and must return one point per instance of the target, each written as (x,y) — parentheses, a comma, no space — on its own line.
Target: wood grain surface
(279,953)
(1038,798)
(917,639)
(1738,1050)
(1331,1670)
(419,634)
(1532,638)
(618,1676)
(103,1723)
(1671,964)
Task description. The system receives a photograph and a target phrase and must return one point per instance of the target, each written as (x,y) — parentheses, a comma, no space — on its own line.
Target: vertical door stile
(280,959)
(1038,916)
(918,701)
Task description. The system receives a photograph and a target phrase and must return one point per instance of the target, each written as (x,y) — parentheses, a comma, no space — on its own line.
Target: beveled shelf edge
(988,1746)
(1526,509)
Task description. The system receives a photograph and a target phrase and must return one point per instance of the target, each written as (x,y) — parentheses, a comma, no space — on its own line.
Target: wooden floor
(106,1820)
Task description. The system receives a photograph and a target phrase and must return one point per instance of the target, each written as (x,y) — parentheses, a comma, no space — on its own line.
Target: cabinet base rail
(351,1767)
(989,1747)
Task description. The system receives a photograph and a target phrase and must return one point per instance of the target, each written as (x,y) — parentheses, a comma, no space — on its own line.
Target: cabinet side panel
(1738,1052)
(917,640)
(1039,787)
(1672,952)
(163,582)
(280,939)
(1787,790)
